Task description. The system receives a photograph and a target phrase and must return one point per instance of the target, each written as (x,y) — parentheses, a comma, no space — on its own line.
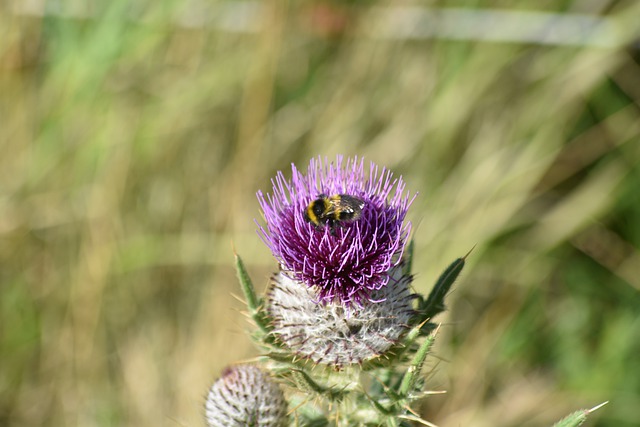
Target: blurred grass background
(134,136)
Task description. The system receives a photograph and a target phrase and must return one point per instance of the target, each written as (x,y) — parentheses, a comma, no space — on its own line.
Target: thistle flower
(330,334)
(245,396)
(342,297)
(349,262)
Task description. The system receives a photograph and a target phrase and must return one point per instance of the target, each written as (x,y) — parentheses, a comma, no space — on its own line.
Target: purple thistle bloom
(351,260)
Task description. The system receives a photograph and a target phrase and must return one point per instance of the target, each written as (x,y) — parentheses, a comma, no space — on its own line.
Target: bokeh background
(135,135)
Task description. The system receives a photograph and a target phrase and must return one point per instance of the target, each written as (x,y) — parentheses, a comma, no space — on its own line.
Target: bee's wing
(334,207)
(352,204)
(345,203)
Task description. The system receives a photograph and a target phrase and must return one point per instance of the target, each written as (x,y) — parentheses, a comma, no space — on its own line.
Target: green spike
(408,347)
(306,383)
(289,360)
(378,406)
(572,420)
(414,372)
(254,303)
(577,418)
(382,379)
(281,357)
(411,337)
(435,302)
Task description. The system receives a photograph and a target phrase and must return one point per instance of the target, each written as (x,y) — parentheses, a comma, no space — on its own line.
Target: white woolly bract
(333,334)
(245,396)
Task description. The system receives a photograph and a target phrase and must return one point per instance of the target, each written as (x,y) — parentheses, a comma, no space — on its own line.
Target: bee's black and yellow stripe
(331,210)
(315,213)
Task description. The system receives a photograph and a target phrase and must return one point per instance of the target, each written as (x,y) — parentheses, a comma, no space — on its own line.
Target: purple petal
(353,261)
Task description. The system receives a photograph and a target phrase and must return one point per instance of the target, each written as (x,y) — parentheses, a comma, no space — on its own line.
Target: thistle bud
(245,396)
(333,333)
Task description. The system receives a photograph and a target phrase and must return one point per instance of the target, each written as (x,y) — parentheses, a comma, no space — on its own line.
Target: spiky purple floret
(353,260)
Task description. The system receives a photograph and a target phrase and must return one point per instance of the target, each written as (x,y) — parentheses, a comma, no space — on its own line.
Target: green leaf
(435,302)
(254,304)
(414,371)
(409,341)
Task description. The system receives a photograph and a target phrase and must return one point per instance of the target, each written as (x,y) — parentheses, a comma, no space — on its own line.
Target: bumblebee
(332,211)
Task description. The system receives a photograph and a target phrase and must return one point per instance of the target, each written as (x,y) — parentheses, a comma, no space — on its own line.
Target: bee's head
(319,206)
(315,211)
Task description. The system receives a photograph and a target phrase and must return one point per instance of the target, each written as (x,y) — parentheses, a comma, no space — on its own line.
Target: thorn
(412,411)
(595,408)
(237,297)
(382,384)
(424,322)
(436,330)
(251,360)
(295,410)
(468,253)
(247,316)
(177,421)
(419,420)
